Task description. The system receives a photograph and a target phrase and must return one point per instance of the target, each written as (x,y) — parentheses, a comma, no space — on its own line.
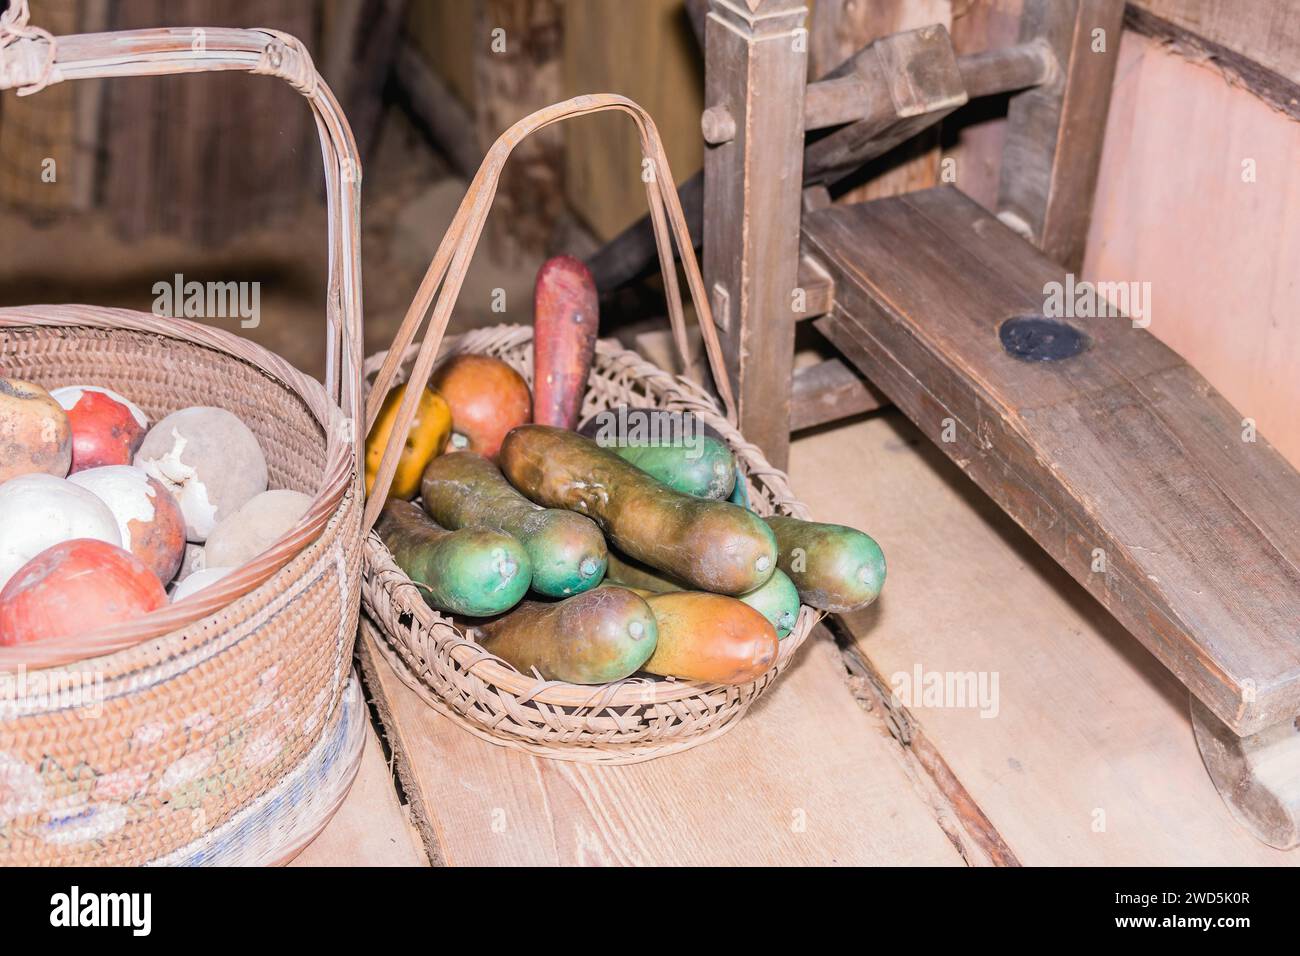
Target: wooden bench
(1121,461)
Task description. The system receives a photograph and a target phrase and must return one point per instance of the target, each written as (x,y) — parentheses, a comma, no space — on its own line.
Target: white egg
(39,511)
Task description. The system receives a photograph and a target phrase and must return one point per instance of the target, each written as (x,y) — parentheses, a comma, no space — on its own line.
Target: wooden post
(756,55)
(1054,131)
(1258,775)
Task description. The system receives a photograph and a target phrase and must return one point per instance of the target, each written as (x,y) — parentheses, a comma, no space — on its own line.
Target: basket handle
(31,59)
(452,259)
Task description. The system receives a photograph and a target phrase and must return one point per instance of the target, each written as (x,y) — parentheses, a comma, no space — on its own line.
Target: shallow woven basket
(628,721)
(182,720)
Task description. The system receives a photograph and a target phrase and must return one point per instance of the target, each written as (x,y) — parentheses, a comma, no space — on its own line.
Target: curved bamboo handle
(31,59)
(452,259)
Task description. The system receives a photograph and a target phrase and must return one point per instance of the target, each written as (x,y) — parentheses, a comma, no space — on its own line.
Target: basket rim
(339,474)
(644,691)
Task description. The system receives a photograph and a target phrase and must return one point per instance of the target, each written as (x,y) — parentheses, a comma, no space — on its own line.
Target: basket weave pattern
(632,720)
(187,728)
(199,708)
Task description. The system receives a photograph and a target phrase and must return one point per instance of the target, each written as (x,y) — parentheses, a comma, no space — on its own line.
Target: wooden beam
(1055,131)
(1255,45)
(818,288)
(829,391)
(375,36)
(445,119)
(756,68)
(914,81)
(1122,462)
(1264,31)
(858,91)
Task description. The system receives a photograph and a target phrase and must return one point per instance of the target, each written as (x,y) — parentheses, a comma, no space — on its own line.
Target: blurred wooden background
(1198,192)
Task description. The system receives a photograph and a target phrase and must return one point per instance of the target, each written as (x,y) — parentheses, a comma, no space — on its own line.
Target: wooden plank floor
(808,777)
(371,828)
(1090,757)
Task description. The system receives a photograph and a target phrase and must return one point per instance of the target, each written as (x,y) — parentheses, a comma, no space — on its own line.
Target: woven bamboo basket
(182,724)
(631,720)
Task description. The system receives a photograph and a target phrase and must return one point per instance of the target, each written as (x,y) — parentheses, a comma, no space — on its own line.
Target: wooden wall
(643,49)
(1171,206)
(1176,206)
(49,143)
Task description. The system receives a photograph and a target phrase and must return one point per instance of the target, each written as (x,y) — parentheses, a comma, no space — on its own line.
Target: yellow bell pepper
(427,438)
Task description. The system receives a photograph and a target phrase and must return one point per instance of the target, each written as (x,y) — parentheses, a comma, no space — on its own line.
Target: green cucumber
(675,447)
(740,494)
(711,545)
(835,568)
(706,471)
(777,600)
(567,551)
(473,571)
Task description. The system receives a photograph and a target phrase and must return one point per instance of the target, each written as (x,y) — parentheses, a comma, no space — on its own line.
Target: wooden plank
(816,283)
(645,51)
(829,391)
(1262,32)
(441,30)
(977,132)
(1217,299)
(49,143)
(807,777)
(1053,136)
(173,143)
(1122,448)
(1089,758)
(914,78)
(757,65)
(837,30)
(1279,91)
(370,828)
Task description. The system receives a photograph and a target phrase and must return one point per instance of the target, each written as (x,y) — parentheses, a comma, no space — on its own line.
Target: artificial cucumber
(705,471)
(777,599)
(566,551)
(633,574)
(672,446)
(710,545)
(740,493)
(473,571)
(835,568)
(596,637)
(710,637)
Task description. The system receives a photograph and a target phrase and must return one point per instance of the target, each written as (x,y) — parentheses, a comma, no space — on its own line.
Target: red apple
(107,429)
(148,517)
(34,431)
(73,588)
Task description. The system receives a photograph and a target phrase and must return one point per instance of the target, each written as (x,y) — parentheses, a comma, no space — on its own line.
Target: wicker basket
(184,719)
(625,722)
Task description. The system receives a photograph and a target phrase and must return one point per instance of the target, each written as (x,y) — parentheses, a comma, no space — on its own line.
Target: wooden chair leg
(1257,776)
